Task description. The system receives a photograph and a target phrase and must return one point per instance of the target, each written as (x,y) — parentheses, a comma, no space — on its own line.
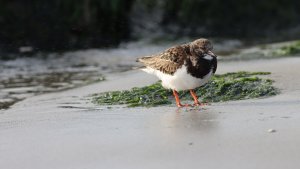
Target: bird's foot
(200,104)
(183,105)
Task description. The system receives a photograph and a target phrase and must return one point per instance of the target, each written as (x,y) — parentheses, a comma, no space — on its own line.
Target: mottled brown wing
(168,61)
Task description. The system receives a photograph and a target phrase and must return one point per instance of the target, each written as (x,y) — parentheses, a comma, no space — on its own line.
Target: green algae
(288,50)
(225,87)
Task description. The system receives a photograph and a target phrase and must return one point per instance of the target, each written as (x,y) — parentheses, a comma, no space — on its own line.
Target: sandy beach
(64,130)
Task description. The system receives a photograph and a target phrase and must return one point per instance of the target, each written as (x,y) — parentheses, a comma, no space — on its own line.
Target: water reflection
(183,122)
(16,88)
(194,118)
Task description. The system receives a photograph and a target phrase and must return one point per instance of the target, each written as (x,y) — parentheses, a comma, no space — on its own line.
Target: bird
(183,67)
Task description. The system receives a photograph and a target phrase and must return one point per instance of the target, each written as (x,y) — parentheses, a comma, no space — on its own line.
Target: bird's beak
(212,54)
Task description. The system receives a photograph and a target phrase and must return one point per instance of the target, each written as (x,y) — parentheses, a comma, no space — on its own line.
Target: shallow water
(52,72)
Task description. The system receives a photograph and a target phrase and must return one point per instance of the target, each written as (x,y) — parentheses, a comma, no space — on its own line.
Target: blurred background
(54,45)
(67,24)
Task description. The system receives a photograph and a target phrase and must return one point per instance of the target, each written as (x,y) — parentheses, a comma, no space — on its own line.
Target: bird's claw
(200,104)
(184,105)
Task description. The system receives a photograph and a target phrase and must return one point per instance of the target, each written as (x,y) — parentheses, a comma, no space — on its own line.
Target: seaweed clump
(225,87)
(291,49)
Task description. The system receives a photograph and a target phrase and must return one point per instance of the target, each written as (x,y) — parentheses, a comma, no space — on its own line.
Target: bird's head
(201,46)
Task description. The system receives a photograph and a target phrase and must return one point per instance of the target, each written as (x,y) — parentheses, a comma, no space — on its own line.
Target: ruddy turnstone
(183,67)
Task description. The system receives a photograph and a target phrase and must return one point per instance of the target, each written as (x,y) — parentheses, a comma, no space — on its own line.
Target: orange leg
(195,97)
(175,93)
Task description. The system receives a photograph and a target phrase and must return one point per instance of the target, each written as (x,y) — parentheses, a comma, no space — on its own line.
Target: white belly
(180,80)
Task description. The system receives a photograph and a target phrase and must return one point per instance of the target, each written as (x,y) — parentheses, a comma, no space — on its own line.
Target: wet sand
(64,130)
